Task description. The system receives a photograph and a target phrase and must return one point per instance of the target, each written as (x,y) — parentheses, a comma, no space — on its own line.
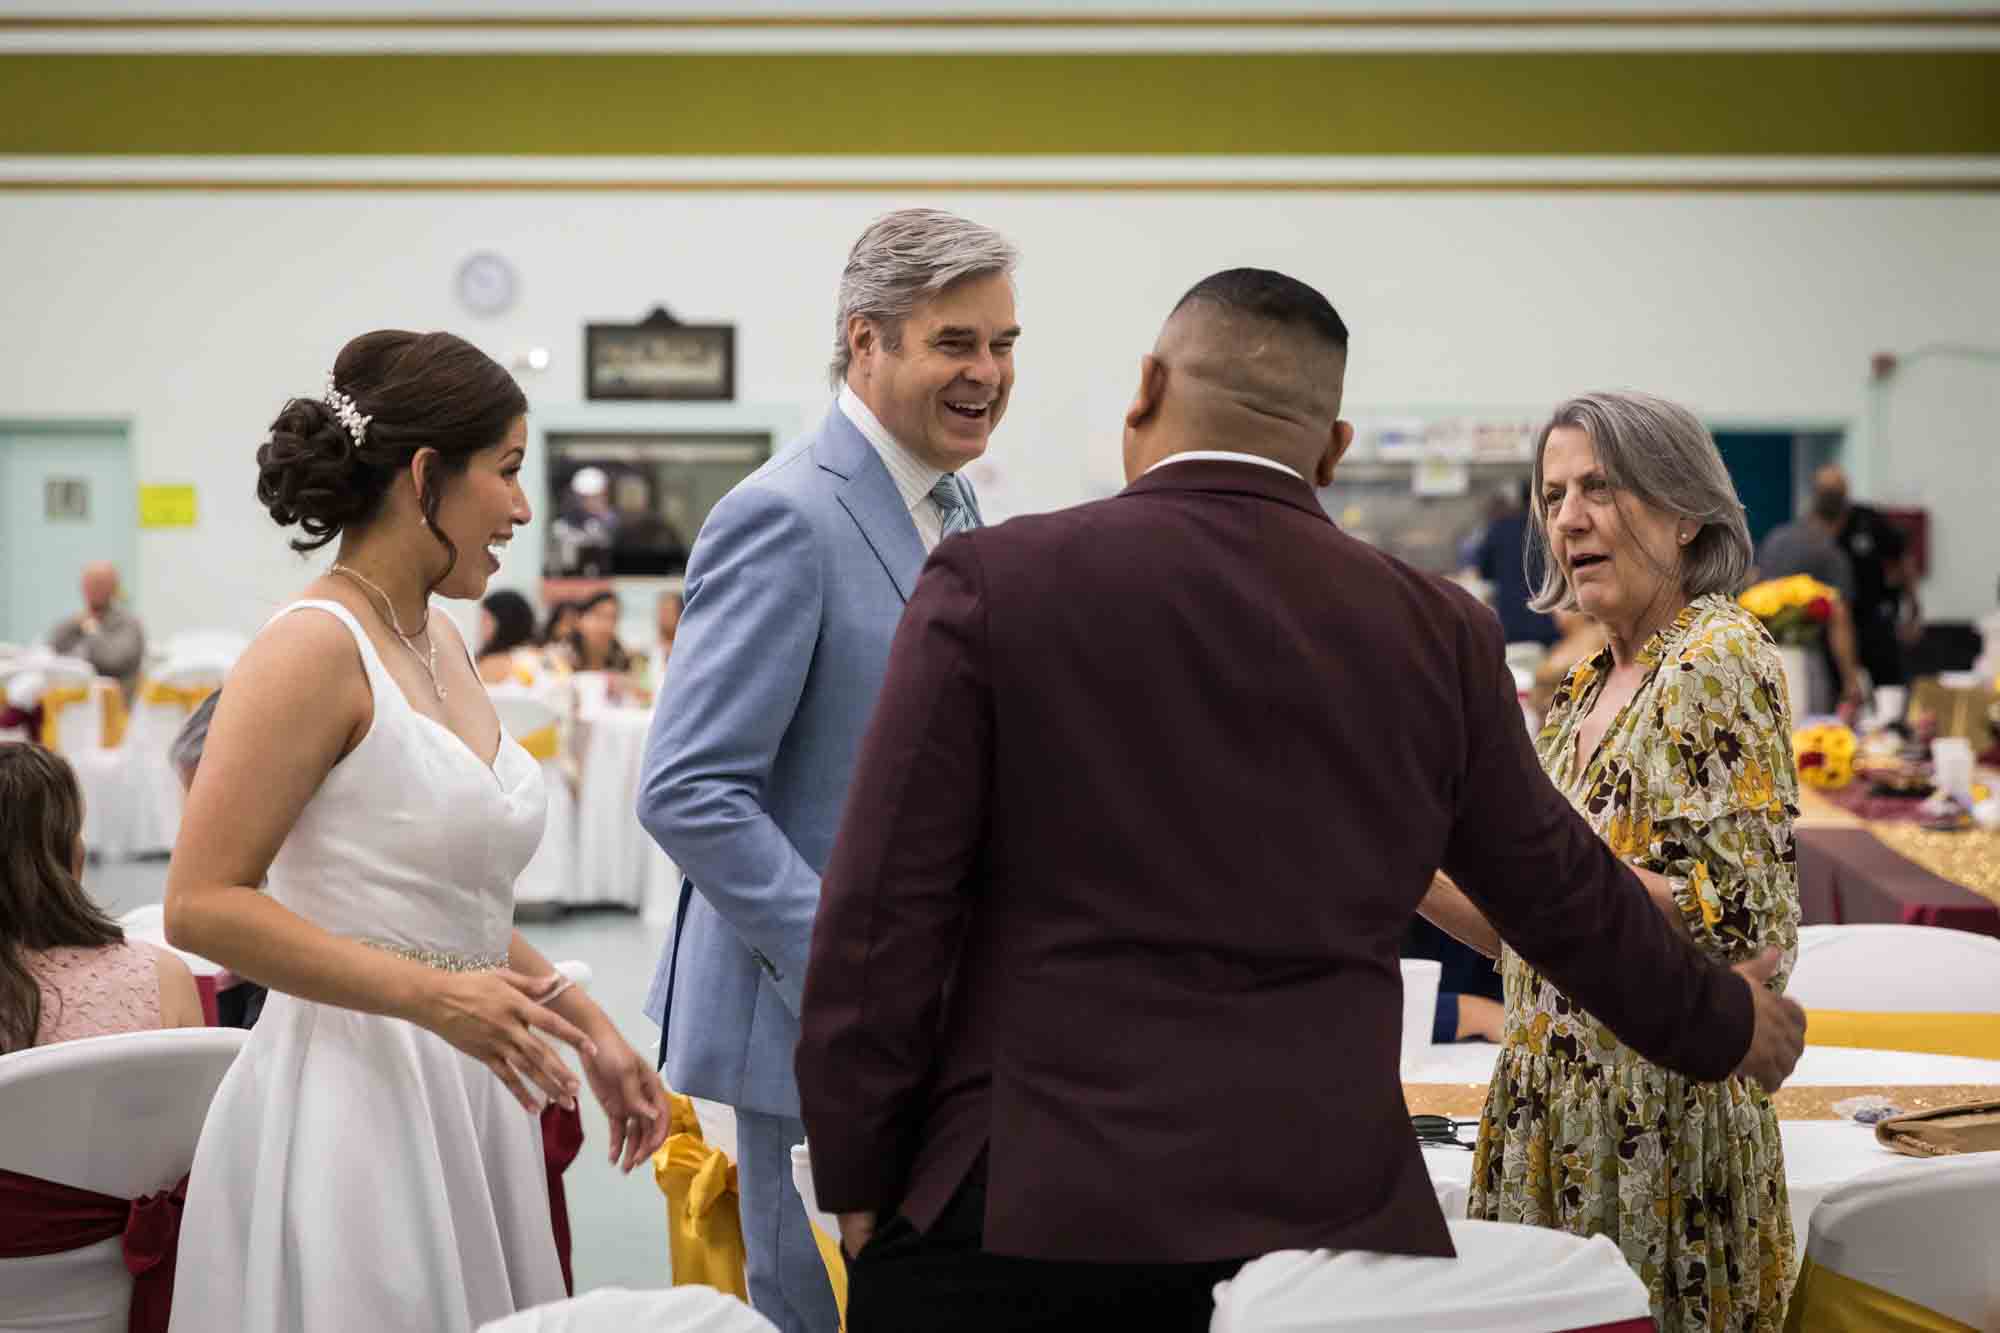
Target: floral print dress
(1694,780)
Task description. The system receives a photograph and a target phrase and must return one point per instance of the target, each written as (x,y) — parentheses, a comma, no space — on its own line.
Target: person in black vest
(1886,614)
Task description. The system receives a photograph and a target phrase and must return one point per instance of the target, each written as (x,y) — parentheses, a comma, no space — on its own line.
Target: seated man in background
(104,633)
(237,1001)
(66,969)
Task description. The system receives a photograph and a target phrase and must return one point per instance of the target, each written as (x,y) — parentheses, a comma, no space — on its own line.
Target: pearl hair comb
(343,407)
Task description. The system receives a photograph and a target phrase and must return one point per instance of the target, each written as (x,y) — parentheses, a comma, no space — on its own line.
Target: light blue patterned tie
(949,497)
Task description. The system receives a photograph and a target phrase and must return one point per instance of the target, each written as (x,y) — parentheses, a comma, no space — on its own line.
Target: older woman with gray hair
(1675,743)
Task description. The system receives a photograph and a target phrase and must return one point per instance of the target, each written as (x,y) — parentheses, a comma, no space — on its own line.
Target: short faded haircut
(1267,294)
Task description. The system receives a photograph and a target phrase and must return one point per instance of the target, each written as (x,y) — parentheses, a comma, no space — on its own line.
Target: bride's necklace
(430,664)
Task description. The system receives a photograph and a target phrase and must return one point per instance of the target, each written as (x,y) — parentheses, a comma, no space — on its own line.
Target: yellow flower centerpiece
(1825,755)
(1794,609)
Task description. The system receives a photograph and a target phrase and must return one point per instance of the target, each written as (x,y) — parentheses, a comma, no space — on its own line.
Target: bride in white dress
(373,1160)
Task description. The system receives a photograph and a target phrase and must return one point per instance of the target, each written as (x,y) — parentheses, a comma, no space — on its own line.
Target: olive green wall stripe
(1720,18)
(1885,184)
(1706,103)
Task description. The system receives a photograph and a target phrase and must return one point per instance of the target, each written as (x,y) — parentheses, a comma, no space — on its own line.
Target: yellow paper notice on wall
(166,506)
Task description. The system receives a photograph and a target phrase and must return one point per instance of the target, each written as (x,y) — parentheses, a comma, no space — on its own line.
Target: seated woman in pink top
(66,969)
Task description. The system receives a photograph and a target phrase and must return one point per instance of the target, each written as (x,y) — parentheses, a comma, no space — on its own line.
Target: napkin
(1944,1132)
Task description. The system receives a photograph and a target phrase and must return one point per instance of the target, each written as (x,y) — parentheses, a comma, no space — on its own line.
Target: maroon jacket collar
(1225,476)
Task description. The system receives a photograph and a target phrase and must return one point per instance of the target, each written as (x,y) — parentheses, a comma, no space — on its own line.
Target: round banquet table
(1819,1154)
(617,861)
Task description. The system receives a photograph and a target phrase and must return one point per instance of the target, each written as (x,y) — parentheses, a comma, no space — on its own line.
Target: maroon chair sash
(562,1139)
(42,1217)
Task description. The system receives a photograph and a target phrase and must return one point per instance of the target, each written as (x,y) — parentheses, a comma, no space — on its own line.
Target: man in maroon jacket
(1103,997)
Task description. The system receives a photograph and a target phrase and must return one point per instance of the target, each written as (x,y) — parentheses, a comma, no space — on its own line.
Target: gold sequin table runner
(1969,858)
(1464,1101)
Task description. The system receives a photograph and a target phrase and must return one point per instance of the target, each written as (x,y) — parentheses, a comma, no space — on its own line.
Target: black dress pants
(904,1280)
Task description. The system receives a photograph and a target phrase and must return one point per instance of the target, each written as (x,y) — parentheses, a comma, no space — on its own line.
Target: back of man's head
(1266,294)
(1829,493)
(1250,360)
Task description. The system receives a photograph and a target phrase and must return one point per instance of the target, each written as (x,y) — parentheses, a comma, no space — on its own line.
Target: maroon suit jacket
(1153,788)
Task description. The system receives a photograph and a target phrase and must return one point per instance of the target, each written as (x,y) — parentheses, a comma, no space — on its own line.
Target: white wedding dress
(358,1172)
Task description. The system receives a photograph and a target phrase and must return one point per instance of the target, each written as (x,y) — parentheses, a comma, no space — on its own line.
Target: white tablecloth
(617,861)
(1819,1154)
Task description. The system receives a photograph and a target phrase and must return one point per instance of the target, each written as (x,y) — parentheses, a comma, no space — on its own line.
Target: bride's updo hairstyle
(331,460)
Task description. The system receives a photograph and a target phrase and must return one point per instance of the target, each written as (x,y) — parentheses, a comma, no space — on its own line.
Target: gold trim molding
(900,185)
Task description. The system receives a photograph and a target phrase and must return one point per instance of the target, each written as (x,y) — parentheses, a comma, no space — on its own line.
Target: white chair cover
(1896,969)
(1925,1234)
(117,1115)
(149,923)
(689,1309)
(220,645)
(82,725)
(21,680)
(617,861)
(1506,1279)
(10,666)
(550,877)
(156,787)
(104,775)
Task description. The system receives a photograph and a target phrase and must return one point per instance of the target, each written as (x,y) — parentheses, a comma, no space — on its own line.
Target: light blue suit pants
(788,1282)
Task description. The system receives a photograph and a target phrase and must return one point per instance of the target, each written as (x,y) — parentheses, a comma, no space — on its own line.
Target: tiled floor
(617,1223)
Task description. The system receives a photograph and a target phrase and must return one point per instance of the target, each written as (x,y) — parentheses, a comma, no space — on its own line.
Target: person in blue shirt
(1501,561)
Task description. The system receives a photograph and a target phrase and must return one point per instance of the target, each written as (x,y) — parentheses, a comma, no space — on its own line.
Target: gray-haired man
(794,589)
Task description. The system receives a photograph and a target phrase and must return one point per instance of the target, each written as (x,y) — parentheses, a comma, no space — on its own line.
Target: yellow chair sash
(115,715)
(55,700)
(1824,1301)
(704,1231)
(836,1269)
(1976,1035)
(543,744)
(187,697)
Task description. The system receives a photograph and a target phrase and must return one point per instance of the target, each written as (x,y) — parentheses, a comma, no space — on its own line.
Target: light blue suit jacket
(794,588)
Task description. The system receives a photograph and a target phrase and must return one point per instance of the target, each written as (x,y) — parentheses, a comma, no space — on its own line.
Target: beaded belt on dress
(441,959)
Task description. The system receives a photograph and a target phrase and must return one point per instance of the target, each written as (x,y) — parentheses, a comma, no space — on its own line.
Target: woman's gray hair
(1659,453)
(904,257)
(185,752)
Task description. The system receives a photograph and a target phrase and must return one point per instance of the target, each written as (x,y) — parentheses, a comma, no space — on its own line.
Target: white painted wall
(996,8)
(195,316)
(1941,449)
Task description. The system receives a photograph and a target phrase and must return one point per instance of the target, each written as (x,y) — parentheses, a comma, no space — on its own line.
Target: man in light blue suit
(794,589)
